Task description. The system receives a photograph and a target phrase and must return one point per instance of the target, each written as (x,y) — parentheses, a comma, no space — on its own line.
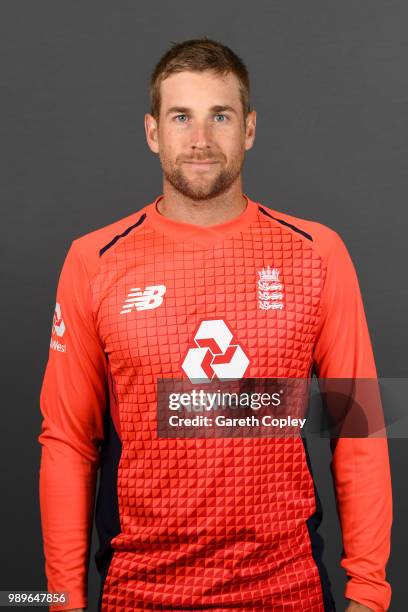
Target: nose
(200,137)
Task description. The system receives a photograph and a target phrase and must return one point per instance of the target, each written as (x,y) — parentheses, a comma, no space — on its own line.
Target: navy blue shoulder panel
(125,233)
(296,229)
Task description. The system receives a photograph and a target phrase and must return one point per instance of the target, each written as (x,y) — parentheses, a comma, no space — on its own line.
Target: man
(208,523)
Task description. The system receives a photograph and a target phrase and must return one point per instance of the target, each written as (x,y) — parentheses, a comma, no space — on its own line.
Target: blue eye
(178,117)
(221,115)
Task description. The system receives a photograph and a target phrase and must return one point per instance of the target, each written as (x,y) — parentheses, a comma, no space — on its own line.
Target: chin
(198,191)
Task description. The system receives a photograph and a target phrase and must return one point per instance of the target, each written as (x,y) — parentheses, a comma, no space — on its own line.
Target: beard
(202,187)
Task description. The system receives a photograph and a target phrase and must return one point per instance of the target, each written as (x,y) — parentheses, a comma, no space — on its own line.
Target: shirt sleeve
(360,466)
(72,401)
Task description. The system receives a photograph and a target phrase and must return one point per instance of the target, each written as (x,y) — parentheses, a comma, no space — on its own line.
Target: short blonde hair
(198,55)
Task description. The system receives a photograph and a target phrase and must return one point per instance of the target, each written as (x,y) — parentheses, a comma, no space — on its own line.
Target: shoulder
(90,246)
(320,237)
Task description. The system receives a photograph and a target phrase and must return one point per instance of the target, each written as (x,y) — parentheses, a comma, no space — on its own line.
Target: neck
(220,209)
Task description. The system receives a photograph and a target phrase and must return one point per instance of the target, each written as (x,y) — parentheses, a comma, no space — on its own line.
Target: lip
(202,164)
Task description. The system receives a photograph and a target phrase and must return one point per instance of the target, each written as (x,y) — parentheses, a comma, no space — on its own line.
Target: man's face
(201,136)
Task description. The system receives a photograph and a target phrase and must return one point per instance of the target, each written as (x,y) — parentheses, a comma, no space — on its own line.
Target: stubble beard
(203,188)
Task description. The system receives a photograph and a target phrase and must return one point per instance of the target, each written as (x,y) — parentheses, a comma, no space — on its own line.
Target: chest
(254,301)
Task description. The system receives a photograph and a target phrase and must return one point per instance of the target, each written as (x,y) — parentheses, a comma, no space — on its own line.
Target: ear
(250,129)
(152,132)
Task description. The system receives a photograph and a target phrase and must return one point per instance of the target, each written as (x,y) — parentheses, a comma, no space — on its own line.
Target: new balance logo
(151,297)
(213,354)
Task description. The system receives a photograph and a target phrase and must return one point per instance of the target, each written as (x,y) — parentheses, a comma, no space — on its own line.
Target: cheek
(233,144)
(166,148)
(172,143)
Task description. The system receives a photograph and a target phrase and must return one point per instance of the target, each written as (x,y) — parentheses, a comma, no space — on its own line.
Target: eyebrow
(214,109)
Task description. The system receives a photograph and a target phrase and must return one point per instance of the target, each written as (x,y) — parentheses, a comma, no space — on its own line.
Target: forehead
(200,89)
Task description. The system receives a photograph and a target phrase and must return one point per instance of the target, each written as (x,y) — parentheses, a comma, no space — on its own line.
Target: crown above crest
(269,274)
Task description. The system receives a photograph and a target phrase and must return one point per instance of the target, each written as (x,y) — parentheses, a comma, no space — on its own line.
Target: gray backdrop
(330,87)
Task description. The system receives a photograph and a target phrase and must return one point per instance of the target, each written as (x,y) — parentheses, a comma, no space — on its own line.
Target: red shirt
(195,524)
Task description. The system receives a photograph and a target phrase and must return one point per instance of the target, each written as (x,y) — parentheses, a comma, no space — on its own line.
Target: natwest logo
(58,329)
(58,325)
(214,354)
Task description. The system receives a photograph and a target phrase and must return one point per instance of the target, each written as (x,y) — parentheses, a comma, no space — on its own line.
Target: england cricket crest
(270,289)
